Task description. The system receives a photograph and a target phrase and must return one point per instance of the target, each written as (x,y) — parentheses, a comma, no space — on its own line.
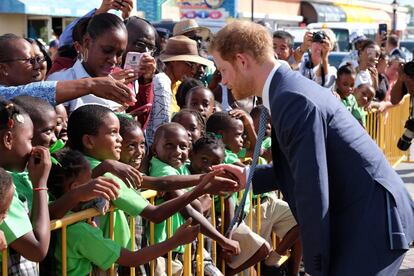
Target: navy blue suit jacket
(325,164)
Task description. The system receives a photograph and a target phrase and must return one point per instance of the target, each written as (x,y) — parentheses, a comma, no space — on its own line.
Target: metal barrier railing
(150,195)
(386,128)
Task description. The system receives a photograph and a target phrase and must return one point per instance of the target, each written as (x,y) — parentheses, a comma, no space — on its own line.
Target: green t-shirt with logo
(358,112)
(86,246)
(129,201)
(159,168)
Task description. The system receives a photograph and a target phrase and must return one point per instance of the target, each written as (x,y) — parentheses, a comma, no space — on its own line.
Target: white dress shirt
(266,87)
(76,72)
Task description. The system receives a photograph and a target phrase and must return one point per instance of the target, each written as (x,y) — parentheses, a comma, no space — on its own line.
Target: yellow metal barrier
(386,128)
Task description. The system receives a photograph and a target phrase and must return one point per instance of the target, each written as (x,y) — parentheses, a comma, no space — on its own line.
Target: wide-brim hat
(187,25)
(182,48)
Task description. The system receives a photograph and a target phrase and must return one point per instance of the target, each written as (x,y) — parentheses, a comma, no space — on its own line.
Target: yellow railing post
(187,260)
(4,264)
(132,230)
(200,255)
(152,263)
(213,222)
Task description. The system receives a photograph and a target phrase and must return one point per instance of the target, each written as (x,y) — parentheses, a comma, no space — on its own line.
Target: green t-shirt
(159,168)
(86,246)
(267,143)
(230,157)
(17,222)
(24,188)
(129,201)
(358,112)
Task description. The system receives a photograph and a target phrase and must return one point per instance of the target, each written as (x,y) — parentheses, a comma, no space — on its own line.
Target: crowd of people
(79,131)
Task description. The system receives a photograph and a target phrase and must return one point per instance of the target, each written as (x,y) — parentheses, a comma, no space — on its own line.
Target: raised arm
(35,244)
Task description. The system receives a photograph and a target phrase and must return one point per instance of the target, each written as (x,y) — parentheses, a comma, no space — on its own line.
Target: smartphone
(382,28)
(132,60)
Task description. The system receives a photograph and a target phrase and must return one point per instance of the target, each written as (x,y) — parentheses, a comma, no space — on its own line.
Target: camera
(318,36)
(409,68)
(405,140)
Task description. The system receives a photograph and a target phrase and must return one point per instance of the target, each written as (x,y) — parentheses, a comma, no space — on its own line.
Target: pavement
(406,171)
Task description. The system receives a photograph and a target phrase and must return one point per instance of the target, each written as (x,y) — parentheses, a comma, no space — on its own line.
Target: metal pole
(394,20)
(252,8)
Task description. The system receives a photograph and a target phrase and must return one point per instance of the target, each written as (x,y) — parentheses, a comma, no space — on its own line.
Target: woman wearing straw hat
(181,59)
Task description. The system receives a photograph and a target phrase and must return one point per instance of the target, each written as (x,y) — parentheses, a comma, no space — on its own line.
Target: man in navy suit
(355,215)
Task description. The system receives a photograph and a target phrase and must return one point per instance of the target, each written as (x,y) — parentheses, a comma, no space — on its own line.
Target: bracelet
(40,189)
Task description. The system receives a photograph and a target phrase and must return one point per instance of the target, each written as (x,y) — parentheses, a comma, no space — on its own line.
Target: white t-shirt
(76,72)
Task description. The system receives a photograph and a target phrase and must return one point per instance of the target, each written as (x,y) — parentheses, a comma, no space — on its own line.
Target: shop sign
(202,9)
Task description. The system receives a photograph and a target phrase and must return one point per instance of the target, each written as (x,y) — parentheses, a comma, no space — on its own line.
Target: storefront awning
(73,8)
(365,15)
(318,12)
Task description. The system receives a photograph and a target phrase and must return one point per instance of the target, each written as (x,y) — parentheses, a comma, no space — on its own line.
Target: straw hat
(187,25)
(182,48)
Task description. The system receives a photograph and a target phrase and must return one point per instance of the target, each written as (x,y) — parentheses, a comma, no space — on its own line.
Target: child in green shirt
(94,130)
(171,148)
(86,244)
(27,236)
(364,94)
(355,100)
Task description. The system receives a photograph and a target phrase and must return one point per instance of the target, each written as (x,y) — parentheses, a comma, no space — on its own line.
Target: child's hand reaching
(128,174)
(231,247)
(211,183)
(3,242)
(236,171)
(186,233)
(104,187)
(39,166)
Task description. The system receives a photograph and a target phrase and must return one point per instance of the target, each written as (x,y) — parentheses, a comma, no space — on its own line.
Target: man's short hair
(6,46)
(284,35)
(393,40)
(242,37)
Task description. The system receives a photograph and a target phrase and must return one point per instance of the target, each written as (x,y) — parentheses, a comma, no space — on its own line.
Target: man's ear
(241,60)
(8,140)
(3,70)
(88,141)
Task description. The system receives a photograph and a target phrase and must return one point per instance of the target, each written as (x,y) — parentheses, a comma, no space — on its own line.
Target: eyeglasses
(145,48)
(31,60)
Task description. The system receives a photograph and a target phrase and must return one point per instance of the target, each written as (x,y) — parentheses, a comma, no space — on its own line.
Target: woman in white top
(367,72)
(103,45)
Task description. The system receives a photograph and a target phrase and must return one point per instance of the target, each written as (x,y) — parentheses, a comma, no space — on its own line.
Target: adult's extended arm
(264,179)
(301,129)
(62,91)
